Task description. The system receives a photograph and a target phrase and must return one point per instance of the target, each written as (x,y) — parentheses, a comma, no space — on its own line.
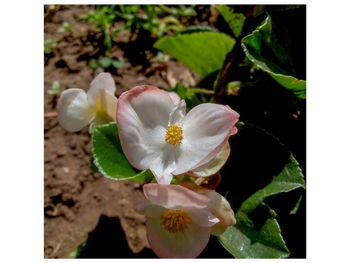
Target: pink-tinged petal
(221,208)
(149,209)
(174,97)
(174,196)
(73,110)
(178,113)
(109,104)
(102,81)
(202,217)
(187,244)
(215,164)
(142,117)
(206,128)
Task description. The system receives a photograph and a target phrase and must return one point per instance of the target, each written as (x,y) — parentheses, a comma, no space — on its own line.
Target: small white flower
(77,108)
(156,133)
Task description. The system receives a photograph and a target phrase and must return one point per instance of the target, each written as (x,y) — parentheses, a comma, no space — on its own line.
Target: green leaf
(109,158)
(245,241)
(49,44)
(105,62)
(196,29)
(93,167)
(251,239)
(144,176)
(288,179)
(268,52)
(117,63)
(93,64)
(55,88)
(234,20)
(188,95)
(203,52)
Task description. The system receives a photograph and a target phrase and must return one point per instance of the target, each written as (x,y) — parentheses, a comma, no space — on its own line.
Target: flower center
(174,135)
(175,220)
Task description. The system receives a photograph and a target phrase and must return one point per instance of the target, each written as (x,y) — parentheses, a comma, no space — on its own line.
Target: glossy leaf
(109,158)
(257,233)
(203,52)
(234,20)
(268,52)
(288,179)
(246,241)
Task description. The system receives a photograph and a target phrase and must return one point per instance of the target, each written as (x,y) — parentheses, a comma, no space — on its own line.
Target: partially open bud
(220,208)
(77,108)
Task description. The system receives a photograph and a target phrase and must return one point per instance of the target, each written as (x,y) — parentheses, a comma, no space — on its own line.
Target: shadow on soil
(108,241)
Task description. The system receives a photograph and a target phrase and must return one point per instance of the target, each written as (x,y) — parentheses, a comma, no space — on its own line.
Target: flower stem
(202,91)
(50,115)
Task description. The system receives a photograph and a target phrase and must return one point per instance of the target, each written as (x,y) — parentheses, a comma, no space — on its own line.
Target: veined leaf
(264,48)
(203,52)
(251,239)
(246,241)
(288,179)
(109,158)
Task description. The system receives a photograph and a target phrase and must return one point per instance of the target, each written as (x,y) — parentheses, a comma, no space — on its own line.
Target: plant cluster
(148,135)
(158,20)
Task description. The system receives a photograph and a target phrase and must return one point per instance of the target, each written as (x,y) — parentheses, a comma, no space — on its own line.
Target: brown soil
(75,199)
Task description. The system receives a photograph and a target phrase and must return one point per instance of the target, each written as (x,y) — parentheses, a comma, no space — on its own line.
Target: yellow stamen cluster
(175,220)
(174,135)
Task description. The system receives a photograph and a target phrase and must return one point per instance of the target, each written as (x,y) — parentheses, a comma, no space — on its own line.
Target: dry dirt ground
(78,204)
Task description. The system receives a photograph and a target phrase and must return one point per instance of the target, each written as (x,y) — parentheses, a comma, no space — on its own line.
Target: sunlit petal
(174,97)
(142,117)
(164,164)
(178,113)
(109,104)
(215,164)
(206,129)
(102,81)
(172,196)
(73,110)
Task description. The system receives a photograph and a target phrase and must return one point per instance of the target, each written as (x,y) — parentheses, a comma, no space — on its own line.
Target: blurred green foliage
(66,27)
(55,88)
(105,62)
(234,20)
(49,44)
(103,19)
(157,19)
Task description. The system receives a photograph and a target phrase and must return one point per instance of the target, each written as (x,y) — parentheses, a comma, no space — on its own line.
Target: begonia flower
(179,220)
(77,108)
(156,133)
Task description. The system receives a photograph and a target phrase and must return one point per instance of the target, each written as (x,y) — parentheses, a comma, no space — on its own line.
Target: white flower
(179,221)
(156,133)
(76,108)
